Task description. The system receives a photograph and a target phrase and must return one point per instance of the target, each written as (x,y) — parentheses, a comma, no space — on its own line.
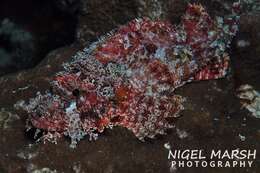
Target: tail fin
(197,23)
(210,38)
(205,34)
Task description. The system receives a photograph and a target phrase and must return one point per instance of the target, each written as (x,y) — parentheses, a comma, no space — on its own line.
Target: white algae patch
(44,170)
(6,118)
(28,152)
(31,168)
(167,146)
(243,43)
(181,133)
(77,167)
(242,138)
(250,99)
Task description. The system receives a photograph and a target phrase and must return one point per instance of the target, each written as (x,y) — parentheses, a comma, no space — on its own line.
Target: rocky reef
(212,116)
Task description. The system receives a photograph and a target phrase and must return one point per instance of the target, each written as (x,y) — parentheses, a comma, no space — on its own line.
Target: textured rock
(118,150)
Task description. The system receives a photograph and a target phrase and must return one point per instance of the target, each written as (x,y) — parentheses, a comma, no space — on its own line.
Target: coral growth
(128,78)
(250,99)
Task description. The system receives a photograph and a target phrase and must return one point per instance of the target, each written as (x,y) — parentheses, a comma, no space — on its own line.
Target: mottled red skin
(128,98)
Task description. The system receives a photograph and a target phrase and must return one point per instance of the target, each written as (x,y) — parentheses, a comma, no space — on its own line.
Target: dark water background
(43,34)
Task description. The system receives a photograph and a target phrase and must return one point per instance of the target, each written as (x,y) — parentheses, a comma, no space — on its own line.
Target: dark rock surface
(212,118)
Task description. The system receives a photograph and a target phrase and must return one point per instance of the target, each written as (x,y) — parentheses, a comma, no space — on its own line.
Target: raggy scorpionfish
(128,78)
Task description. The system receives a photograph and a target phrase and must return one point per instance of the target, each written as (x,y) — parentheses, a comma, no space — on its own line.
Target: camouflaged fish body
(128,78)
